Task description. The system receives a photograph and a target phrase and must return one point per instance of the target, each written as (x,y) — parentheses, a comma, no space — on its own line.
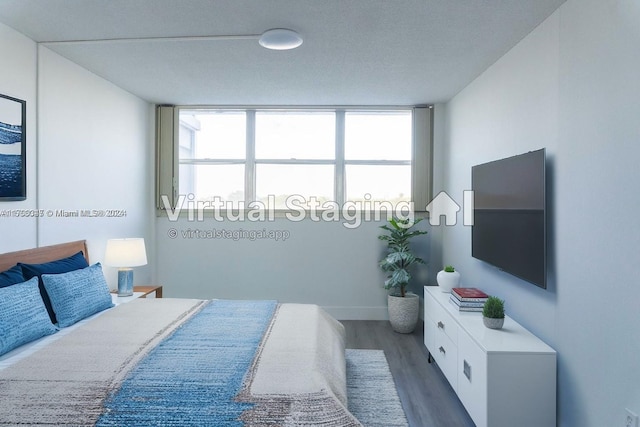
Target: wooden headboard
(43,254)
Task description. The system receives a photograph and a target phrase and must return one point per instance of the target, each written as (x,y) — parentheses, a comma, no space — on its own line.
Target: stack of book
(468,299)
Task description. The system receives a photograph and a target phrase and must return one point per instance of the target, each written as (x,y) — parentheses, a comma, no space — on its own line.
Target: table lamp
(124,254)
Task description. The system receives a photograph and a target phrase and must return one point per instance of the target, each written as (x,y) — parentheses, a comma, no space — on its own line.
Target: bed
(159,362)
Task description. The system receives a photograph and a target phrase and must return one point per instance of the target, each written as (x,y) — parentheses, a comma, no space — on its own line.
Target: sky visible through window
(295,153)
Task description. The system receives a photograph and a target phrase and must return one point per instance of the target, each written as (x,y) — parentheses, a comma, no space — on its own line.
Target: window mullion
(339,190)
(295,162)
(212,161)
(250,165)
(379,162)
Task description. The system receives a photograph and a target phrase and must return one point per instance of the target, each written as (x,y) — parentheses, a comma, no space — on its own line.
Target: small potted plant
(403,306)
(493,313)
(448,278)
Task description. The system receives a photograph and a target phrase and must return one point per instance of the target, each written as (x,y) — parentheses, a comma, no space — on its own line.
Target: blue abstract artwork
(12,149)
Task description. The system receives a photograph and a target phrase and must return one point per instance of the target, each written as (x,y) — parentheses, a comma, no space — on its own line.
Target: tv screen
(509,224)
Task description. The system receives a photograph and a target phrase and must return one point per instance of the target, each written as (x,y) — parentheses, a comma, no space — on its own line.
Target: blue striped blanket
(194,374)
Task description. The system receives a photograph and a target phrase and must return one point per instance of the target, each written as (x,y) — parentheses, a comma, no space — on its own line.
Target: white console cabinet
(504,377)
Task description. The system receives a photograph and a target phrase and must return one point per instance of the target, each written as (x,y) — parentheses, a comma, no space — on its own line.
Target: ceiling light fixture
(280,39)
(275,39)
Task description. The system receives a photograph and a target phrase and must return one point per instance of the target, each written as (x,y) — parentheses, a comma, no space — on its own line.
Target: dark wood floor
(427,398)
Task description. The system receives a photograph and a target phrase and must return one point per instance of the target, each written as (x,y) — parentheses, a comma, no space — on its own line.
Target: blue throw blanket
(192,377)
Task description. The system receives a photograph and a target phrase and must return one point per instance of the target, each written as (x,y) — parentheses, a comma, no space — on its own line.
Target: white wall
(571,86)
(89,146)
(321,263)
(95,153)
(18,80)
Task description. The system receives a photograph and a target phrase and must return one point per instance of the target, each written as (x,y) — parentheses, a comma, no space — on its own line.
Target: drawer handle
(442,350)
(440,325)
(466,369)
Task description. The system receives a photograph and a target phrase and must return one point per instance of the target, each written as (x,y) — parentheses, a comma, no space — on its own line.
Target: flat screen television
(509,224)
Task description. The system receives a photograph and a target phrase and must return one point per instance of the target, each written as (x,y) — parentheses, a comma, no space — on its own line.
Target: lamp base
(125,282)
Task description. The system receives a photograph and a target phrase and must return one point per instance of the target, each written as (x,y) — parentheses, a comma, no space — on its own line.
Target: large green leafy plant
(399,258)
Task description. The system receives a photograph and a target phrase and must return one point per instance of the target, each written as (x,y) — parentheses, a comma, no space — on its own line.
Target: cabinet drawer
(441,318)
(472,379)
(445,354)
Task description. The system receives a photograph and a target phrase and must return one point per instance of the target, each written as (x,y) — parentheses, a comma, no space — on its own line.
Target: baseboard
(364,313)
(358,313)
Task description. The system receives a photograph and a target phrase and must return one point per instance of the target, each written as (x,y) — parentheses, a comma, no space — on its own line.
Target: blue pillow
(64,265)
(11,276)
(23,317)
(77,294)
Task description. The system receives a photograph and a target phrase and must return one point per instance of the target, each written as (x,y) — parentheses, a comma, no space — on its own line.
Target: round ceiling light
(280,39)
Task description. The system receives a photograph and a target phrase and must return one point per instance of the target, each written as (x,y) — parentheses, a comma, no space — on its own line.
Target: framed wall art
(13,149)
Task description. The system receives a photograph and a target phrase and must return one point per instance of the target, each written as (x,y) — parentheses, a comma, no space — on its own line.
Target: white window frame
(168,162)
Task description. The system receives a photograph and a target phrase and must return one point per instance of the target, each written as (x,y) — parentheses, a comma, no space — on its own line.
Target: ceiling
(355,52)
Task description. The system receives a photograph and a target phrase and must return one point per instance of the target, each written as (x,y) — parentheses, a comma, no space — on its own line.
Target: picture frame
(13,149)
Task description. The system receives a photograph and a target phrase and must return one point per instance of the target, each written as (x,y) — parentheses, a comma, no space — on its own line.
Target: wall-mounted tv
(509,224)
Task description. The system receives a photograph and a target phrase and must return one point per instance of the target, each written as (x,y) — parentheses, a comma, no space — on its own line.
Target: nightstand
(148,289)
(138,292)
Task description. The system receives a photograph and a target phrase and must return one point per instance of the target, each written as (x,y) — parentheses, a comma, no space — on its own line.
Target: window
(295,156)
(212,155)
(377,156)
(320,158)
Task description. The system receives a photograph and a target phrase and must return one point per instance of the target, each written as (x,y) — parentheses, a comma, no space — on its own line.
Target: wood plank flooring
(427,398)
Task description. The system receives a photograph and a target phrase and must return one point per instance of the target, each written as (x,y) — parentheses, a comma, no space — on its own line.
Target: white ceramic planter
(448,281)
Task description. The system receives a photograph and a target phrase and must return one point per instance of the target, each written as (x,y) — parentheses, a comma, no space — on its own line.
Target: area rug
(371,392)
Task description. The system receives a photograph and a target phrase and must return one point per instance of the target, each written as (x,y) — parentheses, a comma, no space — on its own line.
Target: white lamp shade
(125,252)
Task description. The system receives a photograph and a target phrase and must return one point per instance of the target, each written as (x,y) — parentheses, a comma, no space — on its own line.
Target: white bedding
(26,350)
(294,347)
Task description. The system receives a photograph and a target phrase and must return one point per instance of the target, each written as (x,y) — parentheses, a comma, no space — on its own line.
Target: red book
(469,294)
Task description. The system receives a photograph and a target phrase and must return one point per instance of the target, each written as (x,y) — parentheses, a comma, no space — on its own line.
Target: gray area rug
(371,392)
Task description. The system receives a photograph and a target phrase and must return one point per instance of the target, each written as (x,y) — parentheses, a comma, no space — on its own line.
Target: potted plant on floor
(403,306)
(493,313)
(448,278)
